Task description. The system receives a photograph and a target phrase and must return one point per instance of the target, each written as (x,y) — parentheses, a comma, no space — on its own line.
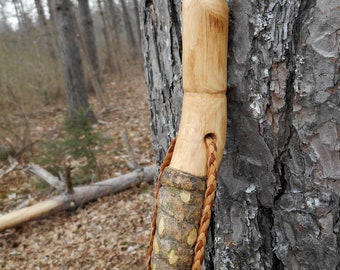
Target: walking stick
(187,181)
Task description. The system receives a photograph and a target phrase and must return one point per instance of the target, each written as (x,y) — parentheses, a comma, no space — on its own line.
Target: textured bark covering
(162,50)
(178,219)
(277,204)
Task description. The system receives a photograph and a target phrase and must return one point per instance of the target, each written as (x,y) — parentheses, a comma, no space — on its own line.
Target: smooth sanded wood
(204,112)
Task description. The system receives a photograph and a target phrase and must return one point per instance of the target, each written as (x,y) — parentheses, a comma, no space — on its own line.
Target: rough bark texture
(277,204)
(74,77)
(178,219)
(162,51)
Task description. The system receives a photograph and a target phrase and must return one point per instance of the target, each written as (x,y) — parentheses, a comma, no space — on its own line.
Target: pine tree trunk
(76,93)
(277,204)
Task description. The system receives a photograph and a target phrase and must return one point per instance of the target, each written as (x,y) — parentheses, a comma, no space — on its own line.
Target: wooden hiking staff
(187,181)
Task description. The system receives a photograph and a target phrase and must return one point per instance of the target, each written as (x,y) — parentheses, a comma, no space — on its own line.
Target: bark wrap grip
(179,204)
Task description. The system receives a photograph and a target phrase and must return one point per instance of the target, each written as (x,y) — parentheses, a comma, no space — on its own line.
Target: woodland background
(112,232)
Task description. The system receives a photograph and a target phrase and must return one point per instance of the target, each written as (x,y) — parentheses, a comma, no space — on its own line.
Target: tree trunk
(128,29)
(41,14)
(43,25)
(76,93)
(136,9)
(50,10)
(87,32)
(4,20)
(116,36)
(19,14)
(109,60)
(277,203)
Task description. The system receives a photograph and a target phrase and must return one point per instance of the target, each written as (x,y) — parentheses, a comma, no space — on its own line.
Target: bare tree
(44,26)
(18,7)
(50,9)
(128,28)
(277,203)
(4,23)
(109,60)
(87,32)
(136,8)
(114,25)
(76,93)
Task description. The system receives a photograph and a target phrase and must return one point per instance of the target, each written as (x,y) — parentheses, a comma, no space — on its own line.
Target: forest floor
(110,233)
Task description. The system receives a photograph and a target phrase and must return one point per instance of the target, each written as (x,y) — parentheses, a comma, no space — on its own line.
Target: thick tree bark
(277,204)
(76,93)
(162,50)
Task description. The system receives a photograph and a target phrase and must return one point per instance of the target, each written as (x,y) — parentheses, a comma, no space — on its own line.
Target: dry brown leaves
(111,233)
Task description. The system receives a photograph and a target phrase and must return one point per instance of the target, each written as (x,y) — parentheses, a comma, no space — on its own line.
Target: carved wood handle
(205,40)
(183,184)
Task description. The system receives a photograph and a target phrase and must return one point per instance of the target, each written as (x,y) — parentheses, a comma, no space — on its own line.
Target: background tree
(136,9)
(277,204)
(74,77)
(4,21)
(128,28)
(88,37)
(109,60)
(19,11)
(113,14)
(45,30)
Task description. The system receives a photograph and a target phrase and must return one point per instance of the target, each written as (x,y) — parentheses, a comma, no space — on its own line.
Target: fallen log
(81,195)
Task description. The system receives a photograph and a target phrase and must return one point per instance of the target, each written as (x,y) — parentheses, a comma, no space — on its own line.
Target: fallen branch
(81,195)
(14,163)
(46,176)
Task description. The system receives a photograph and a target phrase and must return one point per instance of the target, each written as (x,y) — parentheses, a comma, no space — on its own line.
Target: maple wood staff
(187,182)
